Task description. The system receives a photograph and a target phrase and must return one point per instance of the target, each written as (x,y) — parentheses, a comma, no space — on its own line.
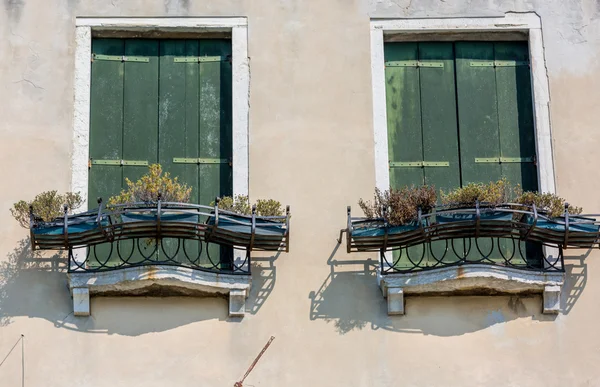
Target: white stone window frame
(84,284)
(507,280)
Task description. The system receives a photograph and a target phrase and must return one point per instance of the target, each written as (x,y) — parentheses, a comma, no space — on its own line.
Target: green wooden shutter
(215,130)
(106,131)
(156,107)
(195,124)
(440,136)
(422,127)
(515,114)
(106,120)
(516,129)
(178,126)
(467,104)
(403,100)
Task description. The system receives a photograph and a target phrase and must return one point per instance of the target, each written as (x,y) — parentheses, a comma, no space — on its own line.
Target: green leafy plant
(401,205)
(47,206)
(240,204)
(148,187)
(493,193)
(552,204)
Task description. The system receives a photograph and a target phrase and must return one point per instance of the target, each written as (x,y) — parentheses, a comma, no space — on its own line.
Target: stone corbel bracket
(471,279)
(162,279)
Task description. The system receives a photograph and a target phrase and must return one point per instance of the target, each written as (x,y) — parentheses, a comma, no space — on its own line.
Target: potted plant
(45,217)
(555,221)
(392,218)
(133,204)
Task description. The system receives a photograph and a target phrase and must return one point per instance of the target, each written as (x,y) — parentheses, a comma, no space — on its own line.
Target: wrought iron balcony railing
(179,234)
(506,235)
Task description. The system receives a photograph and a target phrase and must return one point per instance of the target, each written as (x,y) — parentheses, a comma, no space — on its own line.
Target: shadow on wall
(351,300)
(35,285)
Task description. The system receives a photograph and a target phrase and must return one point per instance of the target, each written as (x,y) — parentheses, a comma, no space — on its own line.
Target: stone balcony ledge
(161,280)
(472,279)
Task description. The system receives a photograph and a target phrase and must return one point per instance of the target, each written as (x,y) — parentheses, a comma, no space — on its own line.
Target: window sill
(471,279)
(158,279)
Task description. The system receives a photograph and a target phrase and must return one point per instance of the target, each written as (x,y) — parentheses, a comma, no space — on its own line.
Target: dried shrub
(47,206)
(150,186)
(493,193)
(552,204)
(401,205)
(268,207)
(240,204)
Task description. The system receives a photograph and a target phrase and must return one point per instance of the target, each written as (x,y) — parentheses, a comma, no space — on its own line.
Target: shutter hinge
(418,164)
(120,58)
(202,59)
(499,63)
(413,63)
(505,160)
(200,160)
(117,162)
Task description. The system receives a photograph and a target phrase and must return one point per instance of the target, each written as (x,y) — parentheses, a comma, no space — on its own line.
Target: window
(167,102)
(460,113)
(444,116)
(142,101)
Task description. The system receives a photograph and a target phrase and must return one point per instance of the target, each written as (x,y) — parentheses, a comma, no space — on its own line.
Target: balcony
(161,248)
(483,249)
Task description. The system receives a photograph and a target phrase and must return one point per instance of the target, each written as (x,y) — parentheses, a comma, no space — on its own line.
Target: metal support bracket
(119,162)
(499,63)
(199,160)
(202,59)
(413,63)
(120,58)
(407,164)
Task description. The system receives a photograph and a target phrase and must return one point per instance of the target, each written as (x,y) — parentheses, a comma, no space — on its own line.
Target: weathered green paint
(478,102)
(215,128)
(106,128)
(404,114)
(515,123)
(167,111)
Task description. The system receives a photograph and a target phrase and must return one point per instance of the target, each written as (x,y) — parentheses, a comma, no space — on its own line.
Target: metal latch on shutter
(407,164)
(505,159)
(200,160)
(118,162)
(413,63)
(499,63)
(121,58)
(202,59)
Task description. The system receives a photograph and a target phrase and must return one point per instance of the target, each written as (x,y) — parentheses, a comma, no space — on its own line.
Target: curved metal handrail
(159,220)
(444,222)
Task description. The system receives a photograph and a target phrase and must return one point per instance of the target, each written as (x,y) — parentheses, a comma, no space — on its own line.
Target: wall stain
(14,9)
(516,305)
(177,6)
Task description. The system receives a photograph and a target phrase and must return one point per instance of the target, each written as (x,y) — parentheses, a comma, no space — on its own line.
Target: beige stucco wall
(311,146)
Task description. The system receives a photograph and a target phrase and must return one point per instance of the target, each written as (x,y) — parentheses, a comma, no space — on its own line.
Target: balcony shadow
(576,272)
(350,299)
(264,275)
(34,285)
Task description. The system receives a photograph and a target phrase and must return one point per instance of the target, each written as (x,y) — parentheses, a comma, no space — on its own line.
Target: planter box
(236,230)
(81,231)
(581,233)
(370,235)
(463,224)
